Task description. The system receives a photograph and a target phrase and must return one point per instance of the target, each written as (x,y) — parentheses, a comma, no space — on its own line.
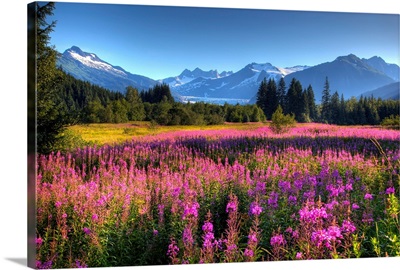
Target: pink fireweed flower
(255,209)
(334,232)
(312,215)
(64,215)
(58,204)
(277,240)
(187,236)
(299,255)
(208,240)
(207,227)
(231,247)
(295,234)
(173,249)
(95,217)
(39,241)
(231,206)
(248,253)
(348,226)
(191,210)
(355,206)
(349,187)
(368,196)
(253,238)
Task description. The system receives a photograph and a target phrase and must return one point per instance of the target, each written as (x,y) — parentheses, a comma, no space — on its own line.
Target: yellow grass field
(106,133)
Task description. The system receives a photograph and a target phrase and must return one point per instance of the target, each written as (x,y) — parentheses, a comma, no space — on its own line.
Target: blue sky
(159,42)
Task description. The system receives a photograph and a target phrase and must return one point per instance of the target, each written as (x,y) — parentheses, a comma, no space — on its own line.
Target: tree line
(333,109)
(87,103)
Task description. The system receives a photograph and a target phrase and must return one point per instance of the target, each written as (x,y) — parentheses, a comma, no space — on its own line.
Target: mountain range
(349,75)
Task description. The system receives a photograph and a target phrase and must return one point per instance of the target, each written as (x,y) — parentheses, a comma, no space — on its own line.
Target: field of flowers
(317,192)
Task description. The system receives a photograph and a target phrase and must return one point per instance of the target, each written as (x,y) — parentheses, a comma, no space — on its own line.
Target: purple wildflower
(45,265)
(367,218)
(273,199)
(390,190)
(292,200)
(86,230)
(355,206)
(78,264)
(284,186)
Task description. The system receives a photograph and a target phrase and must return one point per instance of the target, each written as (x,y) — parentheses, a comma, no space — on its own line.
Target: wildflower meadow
(213,196)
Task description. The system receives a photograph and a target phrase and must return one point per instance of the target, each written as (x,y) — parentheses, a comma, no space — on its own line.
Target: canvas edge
(31,126)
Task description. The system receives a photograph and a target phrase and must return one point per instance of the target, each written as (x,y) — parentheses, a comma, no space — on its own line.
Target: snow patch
(91,61)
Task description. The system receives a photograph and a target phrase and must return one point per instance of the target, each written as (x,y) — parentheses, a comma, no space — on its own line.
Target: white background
(13,98)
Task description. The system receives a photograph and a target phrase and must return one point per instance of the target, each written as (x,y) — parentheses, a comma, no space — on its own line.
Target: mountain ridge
(349,75)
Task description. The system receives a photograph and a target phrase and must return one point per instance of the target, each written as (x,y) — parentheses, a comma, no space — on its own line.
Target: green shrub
(391,122)
(280,122)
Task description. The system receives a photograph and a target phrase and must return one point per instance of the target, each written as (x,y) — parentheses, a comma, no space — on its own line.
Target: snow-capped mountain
(89,67)
(187,76)
(238,87)
(349,75)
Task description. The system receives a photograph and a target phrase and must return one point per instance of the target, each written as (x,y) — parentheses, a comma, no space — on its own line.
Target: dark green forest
(333,109)
(87,103)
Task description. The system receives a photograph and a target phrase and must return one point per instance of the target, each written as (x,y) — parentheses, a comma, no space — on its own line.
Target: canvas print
(163,135)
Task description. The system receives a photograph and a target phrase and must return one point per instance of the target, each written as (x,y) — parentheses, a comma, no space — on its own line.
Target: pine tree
(281,93)
(271,102)
(295,100)
(135,105)
(262,95)
(311,103)
(325,103)
(335,108)
(51,111)
(342,111)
